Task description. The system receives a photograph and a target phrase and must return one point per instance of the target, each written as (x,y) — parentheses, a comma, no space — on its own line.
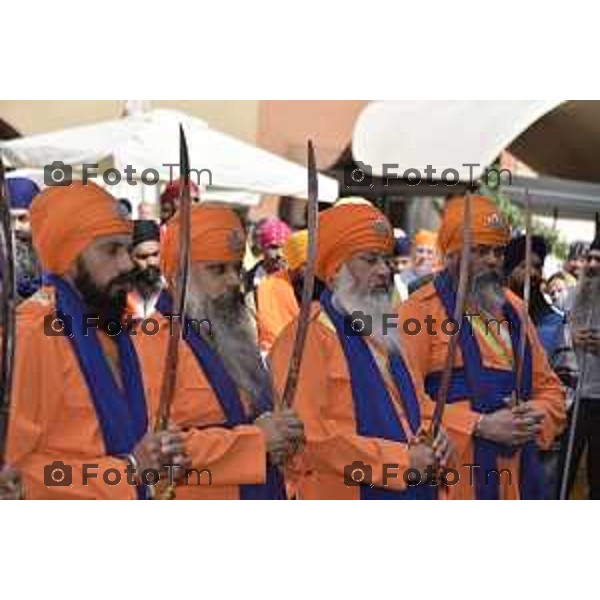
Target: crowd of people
(361,424)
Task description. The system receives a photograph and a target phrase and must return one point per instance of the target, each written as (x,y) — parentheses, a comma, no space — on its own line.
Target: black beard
(147,281)
(109,306)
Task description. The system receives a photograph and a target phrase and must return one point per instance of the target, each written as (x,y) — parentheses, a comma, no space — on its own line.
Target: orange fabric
(234,456)
(217,235)
(53,417)
(65,220)
(429,353)
(295,249)
(324,402)
(424,237)
(276,307)
(489,226)
(347,229)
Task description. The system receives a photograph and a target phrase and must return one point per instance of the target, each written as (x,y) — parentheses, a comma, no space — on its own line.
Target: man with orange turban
(279,294)
(425,260)
(357,397)
(496,441)
(79,422)
(224,394)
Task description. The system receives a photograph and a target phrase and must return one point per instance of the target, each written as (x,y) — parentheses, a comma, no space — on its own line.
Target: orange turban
(217,235)
(489,226)
(424,237)
(296,249)
(347,229)
(66,219)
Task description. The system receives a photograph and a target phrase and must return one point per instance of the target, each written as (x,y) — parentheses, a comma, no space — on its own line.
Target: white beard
(375,305)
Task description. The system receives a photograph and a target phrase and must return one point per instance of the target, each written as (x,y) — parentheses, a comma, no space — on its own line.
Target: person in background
(271,236)
(402,262)
(557,288)
(169,199)
(425,260)
(279,295)
(22,191)
(125,208)
(584,319)
(553,332)
(575,263)
(148,280)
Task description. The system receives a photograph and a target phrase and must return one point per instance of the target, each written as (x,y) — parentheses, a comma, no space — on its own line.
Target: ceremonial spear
(179,294)
(8,307)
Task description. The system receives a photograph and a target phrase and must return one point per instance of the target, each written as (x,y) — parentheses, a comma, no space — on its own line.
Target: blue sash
(486,389)
(228,396)
(374,409)
(122,413)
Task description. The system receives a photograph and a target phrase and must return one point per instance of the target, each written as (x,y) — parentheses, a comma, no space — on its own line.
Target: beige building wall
(236,117)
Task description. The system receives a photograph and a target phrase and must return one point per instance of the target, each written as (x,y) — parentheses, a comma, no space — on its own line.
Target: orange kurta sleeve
(276,308)
(53,419)
(234,456)
(324,402)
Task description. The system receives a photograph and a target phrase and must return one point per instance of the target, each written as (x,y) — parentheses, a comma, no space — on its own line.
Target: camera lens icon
(58,474)
(358,175)
(358,324)
(58,174)
(358,473)
(58,324)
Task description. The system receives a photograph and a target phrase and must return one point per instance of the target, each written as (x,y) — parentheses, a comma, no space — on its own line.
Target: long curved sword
(291,382)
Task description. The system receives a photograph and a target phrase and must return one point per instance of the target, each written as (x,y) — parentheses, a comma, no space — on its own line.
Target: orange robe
(325,405)
(234,456)
(53,418)
(429,353)
(276,307)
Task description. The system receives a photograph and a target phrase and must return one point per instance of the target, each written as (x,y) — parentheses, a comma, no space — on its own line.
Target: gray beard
(487,294)
(376,305)
(585,311)
(233,337)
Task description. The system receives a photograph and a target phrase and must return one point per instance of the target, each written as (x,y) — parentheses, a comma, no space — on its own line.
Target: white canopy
(446,134)
(151,141)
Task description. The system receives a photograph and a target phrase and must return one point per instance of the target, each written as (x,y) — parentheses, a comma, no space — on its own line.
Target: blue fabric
(122,413)
(21,192)
(550,329)
(486,390)
(228,396)
(375,413)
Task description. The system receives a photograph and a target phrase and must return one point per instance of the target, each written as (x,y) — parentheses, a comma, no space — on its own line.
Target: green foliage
(516,216)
